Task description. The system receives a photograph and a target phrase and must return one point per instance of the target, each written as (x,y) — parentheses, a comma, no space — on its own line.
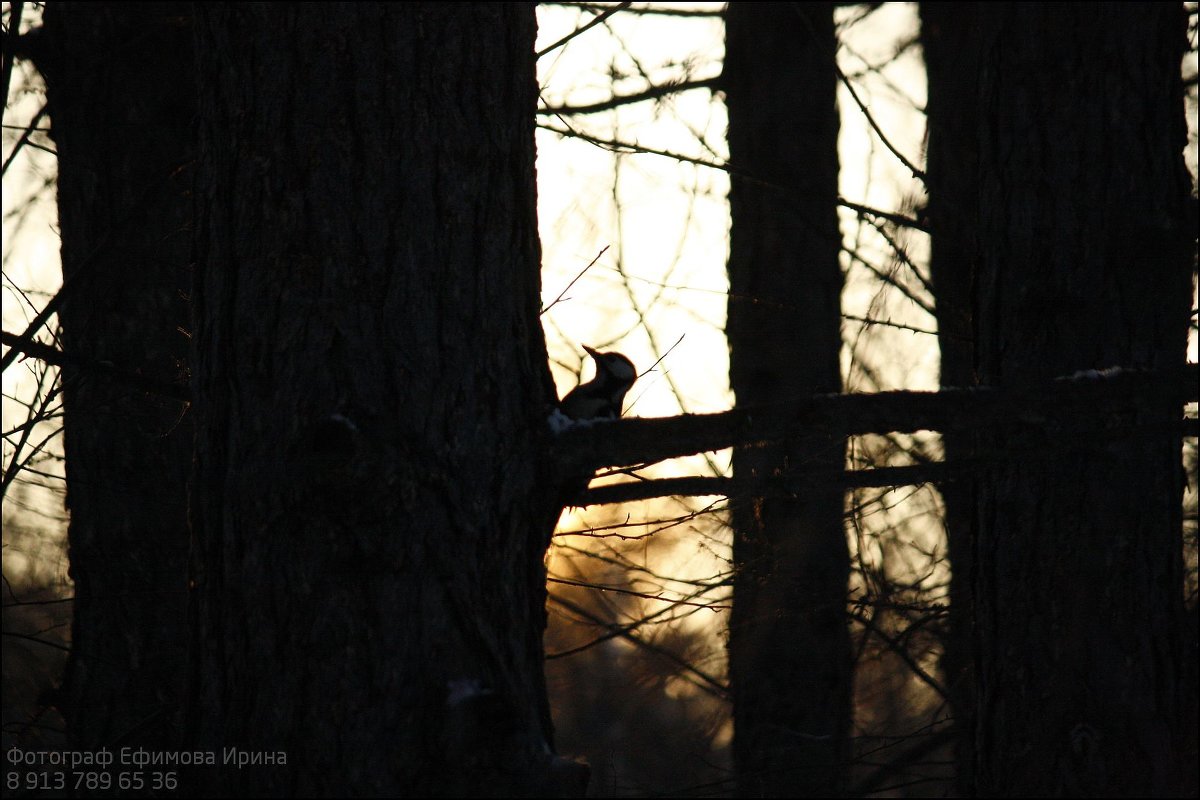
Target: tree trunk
(950,39)
(789,649)
(1087,233)
(371,393)
(120,85)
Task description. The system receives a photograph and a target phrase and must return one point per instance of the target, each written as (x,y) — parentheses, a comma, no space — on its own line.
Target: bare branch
(627,147)
(582,29)
(561,294)
(24,140)
(634,441)
(650,10)
(701,680)
(652,93)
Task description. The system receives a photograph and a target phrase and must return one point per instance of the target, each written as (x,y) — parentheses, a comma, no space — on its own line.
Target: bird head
(613,368)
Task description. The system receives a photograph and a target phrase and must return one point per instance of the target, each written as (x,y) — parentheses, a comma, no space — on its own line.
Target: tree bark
(1087,232)
(950,40)
(120,83)
(789,650)
(371,390)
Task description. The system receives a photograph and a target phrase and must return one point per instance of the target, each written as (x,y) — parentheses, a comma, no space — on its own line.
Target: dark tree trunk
(950,38)
(371,391)
(121,91)
(789,647)
(1087,231)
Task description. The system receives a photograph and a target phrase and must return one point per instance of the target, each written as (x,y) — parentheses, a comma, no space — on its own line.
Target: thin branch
(644,595)
(627,147)
(705,681)
(615,630)
(37,640)
(902,652)
(887,323)
(582,29)
(29,129)
(922,748)
(892,281)
(591,263)
(917,173)
(653,93)
(650,10)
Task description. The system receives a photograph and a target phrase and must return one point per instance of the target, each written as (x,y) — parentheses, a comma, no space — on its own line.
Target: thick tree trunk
(120,86)
(788,641)
(371,389)
(1087,232)
(950,38)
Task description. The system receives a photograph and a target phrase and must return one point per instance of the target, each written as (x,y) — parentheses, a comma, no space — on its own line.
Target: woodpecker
(603,395)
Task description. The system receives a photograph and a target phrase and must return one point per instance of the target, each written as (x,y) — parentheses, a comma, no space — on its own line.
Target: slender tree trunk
(1087,233)
(788,641)
(120,86)
(950,38)
(371,390)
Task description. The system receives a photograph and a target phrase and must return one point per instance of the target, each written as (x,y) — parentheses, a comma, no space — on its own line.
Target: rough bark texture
(788,640)
(121,92)
(370,388)
(950,39)
(1086,232)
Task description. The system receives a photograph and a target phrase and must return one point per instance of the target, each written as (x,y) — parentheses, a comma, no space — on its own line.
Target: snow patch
(344,421)
(559,421)
(463,689)
(1093,374)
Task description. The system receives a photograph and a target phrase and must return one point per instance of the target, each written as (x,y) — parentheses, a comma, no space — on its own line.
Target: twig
(29,129)
(617,146)
(595,21)
(653,93)
(572,283)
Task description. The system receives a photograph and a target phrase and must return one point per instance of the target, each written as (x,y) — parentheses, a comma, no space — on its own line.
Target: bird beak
(593,353)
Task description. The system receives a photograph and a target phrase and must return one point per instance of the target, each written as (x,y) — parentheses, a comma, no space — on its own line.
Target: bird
(602,396)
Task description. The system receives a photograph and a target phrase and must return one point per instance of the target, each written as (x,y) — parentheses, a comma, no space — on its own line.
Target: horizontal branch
(663,10)
(652,93)
(702,486)
(623,443)
(798,481)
